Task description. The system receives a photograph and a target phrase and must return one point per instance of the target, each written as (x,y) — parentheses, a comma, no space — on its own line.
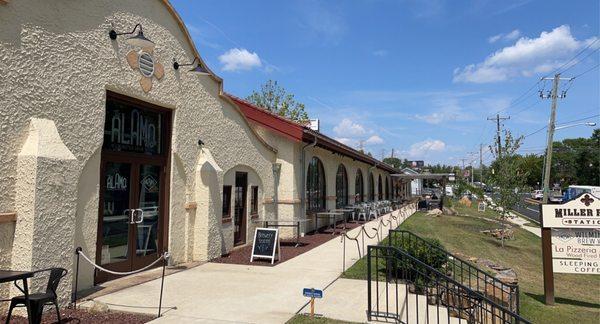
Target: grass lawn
(301,319)
(577,296)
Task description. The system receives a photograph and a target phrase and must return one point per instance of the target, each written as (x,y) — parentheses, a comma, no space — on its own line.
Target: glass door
(147,213)
(131,216)
(239,212)
(116,215)
(135,156)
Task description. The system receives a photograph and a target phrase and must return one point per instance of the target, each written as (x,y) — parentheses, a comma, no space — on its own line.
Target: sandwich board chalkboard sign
(265,244)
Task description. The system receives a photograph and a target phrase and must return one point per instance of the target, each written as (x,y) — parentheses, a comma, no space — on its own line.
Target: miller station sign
(575,234)
(581,212)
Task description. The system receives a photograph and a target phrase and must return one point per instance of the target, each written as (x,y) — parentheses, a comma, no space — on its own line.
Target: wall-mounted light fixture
(276,168)
(197,69)
(138,40)
(200,143)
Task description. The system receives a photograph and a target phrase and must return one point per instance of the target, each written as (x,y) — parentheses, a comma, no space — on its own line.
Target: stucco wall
(57,63)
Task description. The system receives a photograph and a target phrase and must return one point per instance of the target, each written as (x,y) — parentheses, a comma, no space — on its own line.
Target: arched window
(315,186)
(387,188)
(359,188)
(379,189)
(371,187)
(341,187)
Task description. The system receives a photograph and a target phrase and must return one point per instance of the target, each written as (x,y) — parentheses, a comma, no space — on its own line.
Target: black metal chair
(39,300)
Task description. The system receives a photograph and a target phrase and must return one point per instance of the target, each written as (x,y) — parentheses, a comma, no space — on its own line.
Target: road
(527,207)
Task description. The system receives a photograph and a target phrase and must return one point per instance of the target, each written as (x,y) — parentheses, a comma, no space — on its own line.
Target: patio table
(9,275)
(345,210)
(284,223)
(329,215)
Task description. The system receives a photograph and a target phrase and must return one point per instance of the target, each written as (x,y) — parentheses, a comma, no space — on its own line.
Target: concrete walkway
(221,293)
(517,220)
(345,300)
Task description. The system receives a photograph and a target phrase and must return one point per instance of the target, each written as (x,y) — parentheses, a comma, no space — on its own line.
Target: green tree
(507,175)
(532,164)
(397,162)
(276,99)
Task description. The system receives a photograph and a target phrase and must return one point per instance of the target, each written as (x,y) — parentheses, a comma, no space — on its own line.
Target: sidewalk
(345,300)
(219,293)
(517,220)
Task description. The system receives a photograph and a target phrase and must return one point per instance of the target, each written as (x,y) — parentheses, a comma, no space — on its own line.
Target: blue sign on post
(312,293)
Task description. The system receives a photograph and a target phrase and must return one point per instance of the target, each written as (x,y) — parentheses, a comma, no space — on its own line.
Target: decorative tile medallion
(146,64)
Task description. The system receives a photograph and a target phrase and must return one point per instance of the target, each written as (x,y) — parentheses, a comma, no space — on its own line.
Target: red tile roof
(301,133)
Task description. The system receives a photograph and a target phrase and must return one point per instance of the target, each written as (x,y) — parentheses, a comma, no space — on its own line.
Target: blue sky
(419,77)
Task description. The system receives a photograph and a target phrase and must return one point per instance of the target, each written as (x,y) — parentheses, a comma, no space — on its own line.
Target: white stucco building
(105,145)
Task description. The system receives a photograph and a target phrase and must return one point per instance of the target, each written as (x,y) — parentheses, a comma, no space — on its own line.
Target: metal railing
(464,272)
(402,288)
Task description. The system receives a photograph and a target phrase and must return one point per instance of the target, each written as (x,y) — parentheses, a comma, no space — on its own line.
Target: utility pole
(481,162)
(462,170)
(548,270)
(471,155)
(392,153)
(498,119)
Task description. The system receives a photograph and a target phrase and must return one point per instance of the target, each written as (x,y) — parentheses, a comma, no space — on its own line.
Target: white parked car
(537,194)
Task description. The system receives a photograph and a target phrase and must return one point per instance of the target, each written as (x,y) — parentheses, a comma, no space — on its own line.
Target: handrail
(512,290)
(471,293)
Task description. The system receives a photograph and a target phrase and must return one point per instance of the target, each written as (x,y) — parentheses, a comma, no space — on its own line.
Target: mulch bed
(288,247)
(83,316)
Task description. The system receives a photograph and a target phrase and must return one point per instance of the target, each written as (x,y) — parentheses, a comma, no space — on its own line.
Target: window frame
(226,207)
(359,195)
(379,188)
(316,187)
(341,201)
(254,201)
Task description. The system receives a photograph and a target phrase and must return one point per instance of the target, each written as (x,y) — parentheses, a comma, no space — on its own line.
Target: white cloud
(238,59)
(525,57)
(380,53)
(511,36)
(423,148)
(373,140)
(348,128)
(322,23)
(347,141)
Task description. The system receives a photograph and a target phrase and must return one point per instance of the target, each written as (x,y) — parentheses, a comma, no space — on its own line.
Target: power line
(586,71)
(583,59)
(574,57)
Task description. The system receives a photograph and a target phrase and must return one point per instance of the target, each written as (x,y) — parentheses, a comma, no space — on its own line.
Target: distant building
(416,185)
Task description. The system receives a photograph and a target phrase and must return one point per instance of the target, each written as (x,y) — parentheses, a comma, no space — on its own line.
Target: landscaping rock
(449,211)
(98,307)
(434,212)
(465,201)
(508,276)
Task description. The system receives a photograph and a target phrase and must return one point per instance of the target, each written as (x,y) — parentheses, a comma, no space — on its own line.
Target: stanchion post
(162,282)
(344,257)
(362,231)
(74,295)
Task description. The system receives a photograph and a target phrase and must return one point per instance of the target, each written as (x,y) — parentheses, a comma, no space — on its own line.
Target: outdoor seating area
(334,223)
(34,302)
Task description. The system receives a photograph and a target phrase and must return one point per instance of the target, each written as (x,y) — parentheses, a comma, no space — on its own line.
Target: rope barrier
(165,256)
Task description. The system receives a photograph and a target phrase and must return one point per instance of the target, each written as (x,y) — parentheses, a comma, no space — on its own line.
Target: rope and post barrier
(164,257)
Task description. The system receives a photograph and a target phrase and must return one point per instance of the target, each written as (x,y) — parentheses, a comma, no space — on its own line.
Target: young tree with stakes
(507,177)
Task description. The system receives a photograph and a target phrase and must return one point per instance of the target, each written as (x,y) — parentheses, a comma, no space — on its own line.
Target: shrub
(431,254)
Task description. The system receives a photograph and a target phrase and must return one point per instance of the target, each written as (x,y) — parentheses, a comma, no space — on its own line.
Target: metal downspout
(303,182)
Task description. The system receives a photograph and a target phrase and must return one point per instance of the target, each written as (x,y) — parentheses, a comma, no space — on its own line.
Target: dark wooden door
(241,188)
(133,187)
